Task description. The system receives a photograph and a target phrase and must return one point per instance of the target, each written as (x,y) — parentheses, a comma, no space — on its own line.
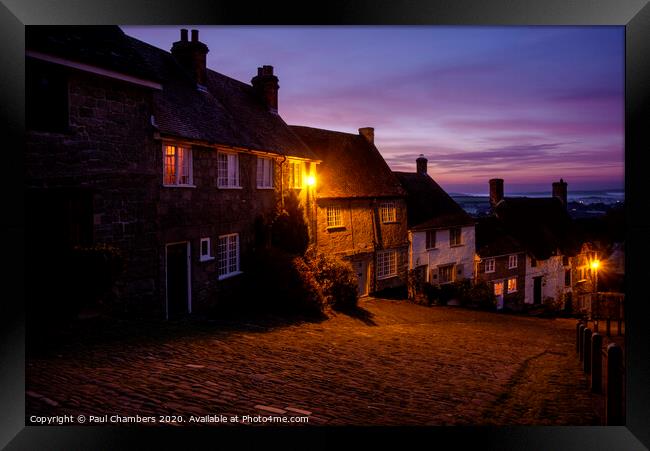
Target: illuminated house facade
(154,154)
(546,234)
(441,233)
(360,207)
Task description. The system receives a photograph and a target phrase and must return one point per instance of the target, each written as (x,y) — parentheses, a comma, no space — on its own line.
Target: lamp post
(594,265)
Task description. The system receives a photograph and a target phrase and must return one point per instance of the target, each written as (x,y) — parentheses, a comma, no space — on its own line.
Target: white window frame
(460,236)
(231,267)
(387,262)
(179,173)
(334,217)
(264,177)
(388,211)
(228,176)
(508,284)
(490,265)
(513,258)
(427,241)
(296,174)
(205,257)
(452,272)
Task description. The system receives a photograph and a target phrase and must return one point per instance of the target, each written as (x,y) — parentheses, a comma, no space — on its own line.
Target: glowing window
(498,288)
(177,165)
(334,218)
(512,285)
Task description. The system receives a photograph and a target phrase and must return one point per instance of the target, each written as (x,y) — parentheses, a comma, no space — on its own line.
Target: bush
(337,280)
(482,295)
(288,227)
(284,283)
(432,293)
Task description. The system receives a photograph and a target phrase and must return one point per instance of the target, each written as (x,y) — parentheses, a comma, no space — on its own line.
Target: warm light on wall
(311,180)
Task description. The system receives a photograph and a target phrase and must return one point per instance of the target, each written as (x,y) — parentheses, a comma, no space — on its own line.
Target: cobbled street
(399,364)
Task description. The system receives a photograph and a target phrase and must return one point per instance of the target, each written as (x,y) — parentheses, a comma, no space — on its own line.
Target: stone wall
(503,272)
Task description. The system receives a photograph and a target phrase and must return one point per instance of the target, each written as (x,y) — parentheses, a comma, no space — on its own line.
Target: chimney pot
(184,34)
(192,55)
(560,191)
(368,133)
(195,35)
(421,165)
(266,85)
(496,191)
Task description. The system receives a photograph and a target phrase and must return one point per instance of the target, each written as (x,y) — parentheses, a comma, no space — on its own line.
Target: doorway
(177,264)
(537,290)
(362,275)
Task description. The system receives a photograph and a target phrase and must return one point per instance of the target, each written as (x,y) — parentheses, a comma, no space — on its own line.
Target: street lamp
(594,265)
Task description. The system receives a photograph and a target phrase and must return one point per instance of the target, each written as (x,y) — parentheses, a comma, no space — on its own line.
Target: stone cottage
(441,233)
(361,211)
(548,236)
(155,154)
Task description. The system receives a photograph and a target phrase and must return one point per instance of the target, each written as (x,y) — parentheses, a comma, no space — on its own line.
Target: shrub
(482,295)
(288,227)
(284,283)
(432,293)
(337,280)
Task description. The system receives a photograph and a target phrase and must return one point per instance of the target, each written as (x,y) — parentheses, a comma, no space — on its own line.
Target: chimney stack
(560,191)
(421,165)
(496,191)
(192,55)
(266,85)
(368,133)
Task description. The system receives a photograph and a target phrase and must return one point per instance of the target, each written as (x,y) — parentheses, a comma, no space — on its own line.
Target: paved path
(404,365)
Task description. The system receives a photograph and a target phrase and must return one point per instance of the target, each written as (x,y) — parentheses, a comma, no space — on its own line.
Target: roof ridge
(325,130)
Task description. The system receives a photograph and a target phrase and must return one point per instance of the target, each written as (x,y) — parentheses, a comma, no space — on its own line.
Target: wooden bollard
(586,346)
(596,363)
(614,395)
(580,341)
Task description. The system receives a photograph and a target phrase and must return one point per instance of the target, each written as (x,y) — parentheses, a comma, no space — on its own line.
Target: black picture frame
(633,14)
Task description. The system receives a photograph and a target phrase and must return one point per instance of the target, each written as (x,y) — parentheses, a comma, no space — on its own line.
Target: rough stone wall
(108,148)
(502,272)
(362,233)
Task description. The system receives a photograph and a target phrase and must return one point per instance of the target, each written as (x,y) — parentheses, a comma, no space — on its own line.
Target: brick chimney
(266,85)
(192,55)
(496,191)
(368,133)
(560,191)
(421,165)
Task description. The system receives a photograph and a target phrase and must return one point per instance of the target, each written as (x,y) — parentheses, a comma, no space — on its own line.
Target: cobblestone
(405,365)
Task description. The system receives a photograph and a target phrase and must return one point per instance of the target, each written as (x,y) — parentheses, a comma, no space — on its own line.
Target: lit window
(386,264)
(489,265)
(295,174)
(264,172)
(205,249)
(177,165)
(512,261)
(334,218)
(498,288)
(228,255)
(388,212)
(431,239)
(454,236)
(227,170)
(512,285)
(446,273)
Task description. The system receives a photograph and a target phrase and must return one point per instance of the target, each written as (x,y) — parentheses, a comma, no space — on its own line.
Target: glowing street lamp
(311,180)
(594,265)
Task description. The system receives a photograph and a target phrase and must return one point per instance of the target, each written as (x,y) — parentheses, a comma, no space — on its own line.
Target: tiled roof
(229,113)
(352,166)
(493,240)
(541,224)
(429,206)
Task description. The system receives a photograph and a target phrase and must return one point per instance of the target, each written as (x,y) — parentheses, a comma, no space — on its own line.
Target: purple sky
(527,104)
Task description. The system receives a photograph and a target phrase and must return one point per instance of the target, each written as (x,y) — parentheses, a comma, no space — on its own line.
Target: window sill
(512,267)
(230,187)
(432,248)
(265,187)
(335,228)
(179,186)
(390,276)
(206,259)
(390,222)
(456,245)
(490,272)
(230,275)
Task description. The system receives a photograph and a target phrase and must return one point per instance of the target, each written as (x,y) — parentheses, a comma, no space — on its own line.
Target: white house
(441,233)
